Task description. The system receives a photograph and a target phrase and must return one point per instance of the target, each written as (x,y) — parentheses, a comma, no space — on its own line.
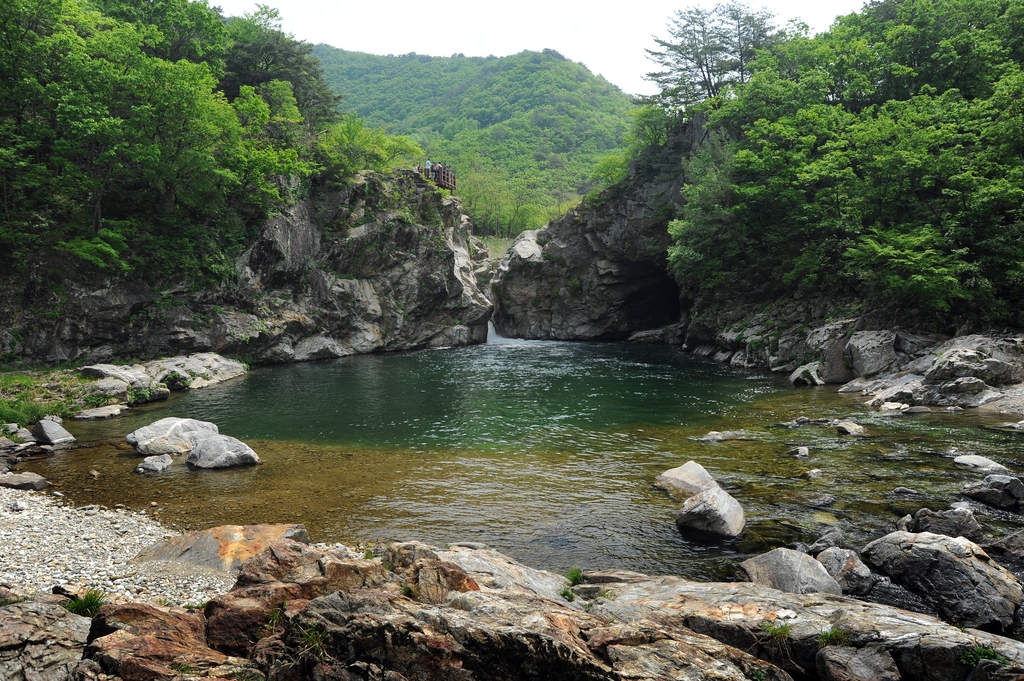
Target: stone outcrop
(1001,491)
(40,641)
(954,575)
(222,548)
(170,435)
(385,263)
(790,571)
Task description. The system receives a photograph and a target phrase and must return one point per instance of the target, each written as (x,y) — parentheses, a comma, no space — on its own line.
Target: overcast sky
(608,36)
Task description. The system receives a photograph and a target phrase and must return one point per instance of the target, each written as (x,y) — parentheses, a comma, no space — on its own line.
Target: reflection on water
(546,451)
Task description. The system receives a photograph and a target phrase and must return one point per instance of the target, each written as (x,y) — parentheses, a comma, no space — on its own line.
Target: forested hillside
(881,161)
(523,132)
(150,138)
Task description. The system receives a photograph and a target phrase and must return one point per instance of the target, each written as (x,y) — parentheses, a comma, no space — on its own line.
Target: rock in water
(221,451)
(154,464)
(807,375)
(954,522)
(712,511)
(849,428)
(790,571)
(871,351)
(688,479)
(985,464)
(954,575)
(51,433)
(170,436)
(221,548)
(1001,491)
(100,413)
(40,641)
(32,481)
(844,566)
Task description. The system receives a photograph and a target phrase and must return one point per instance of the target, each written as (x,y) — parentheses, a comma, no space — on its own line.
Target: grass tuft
(575,576)
(836,636)
(972,657)
(776,630)
(86,605)
(567,594)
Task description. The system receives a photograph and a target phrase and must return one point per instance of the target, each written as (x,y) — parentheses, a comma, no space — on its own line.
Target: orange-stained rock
(142,642)
(222,548)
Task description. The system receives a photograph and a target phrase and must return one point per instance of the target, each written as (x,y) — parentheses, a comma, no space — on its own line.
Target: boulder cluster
(200,442)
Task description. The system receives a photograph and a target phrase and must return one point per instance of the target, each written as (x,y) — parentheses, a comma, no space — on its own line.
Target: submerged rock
(954,575)
(712,511)
(790,571)
(982,463)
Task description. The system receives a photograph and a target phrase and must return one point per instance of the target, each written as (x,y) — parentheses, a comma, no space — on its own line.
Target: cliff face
(385,264)
(599,273)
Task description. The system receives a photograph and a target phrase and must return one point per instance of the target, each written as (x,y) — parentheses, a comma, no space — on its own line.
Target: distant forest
(523,132)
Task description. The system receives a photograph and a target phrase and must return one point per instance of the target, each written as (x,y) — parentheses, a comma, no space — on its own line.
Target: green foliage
(972,657)
(314,641)
(86,605)
(575,576)
(756,675)
(776,630)
(884,158)
(523,132)
(368,555)
(835,636)
(567,594)
(154,138)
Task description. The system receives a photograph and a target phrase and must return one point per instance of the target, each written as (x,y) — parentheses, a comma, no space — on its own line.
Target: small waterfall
(495,338)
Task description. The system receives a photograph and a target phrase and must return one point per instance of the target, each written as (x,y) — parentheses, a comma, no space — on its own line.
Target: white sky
(609,37)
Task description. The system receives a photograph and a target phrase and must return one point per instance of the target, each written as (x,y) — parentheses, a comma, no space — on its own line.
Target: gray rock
(154,464)
(965,362)
(110,388)
(800,452)
(221,451)
(920,409)
(833,536)
(32,481)
(712,511)
(25,435)
(843,663)
(1001,491)
(170,436)
(100,413)
(686,480)
(41,641)
(846,567)
(954,575)
(835,368)
(1011,545)
(195,371)
(996,670)
(871,352)
(726,435)
(899,390)
(808,374)
(51,433)
(982,463)
(790,571)
(954,522)
(849,428)
(20,505)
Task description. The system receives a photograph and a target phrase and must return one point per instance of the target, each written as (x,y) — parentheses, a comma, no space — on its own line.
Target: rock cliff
(387,263)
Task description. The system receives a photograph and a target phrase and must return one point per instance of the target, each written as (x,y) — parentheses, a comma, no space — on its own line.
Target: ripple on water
(546,451)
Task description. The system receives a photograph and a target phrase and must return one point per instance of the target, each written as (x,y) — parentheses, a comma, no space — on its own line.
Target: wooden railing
(439,174)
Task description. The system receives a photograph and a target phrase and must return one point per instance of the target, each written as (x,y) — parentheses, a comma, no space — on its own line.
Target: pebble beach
(46,542)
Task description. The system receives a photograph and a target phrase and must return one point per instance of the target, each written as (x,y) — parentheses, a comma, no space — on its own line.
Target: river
(546,451)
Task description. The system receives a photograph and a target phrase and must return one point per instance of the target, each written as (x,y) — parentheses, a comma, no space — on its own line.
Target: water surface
(544,450)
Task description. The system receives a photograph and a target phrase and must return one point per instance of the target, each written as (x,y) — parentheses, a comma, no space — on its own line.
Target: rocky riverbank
(412,611)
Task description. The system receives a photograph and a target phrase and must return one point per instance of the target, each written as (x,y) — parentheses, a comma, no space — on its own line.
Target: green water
(546,451)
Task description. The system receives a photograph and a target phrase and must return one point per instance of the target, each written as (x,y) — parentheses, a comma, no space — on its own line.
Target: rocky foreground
(293,611)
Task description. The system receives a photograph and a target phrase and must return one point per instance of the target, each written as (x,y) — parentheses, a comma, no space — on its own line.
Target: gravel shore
(50,543)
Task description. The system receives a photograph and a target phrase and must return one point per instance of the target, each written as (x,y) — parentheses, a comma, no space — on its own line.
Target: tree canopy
(883,158)
(153,136)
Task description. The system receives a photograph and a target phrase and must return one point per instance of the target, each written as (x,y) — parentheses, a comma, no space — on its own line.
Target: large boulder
(952,574)
(142,642)
(871,352)
(1001,491)
(712,511)
(790,571)
(50,432)
(170,436)
(847,569)
(221,451)
(222,548)
(808,374)
(686,480)
(40,641)
(843,663)
(141,387)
